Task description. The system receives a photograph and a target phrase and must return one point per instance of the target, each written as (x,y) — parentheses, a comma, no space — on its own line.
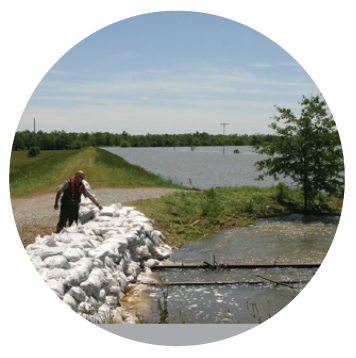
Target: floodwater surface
(206,167)
(290,239)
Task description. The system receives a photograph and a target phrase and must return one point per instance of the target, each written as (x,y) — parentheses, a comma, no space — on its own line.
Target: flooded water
(291,239)
(207,167)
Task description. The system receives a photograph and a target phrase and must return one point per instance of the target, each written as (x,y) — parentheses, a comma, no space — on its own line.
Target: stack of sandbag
(89,265)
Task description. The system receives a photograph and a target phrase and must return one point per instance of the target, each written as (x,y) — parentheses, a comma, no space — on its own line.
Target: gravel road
(32,210)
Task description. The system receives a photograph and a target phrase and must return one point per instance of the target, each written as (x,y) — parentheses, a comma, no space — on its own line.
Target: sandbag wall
(89,265)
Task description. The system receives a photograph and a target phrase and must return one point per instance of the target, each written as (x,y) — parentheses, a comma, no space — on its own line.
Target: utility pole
(224,125)
(34,130)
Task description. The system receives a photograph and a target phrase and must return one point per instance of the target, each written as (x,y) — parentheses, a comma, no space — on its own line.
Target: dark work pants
(69,211)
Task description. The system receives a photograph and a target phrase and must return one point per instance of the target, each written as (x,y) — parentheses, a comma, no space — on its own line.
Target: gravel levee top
(29,210)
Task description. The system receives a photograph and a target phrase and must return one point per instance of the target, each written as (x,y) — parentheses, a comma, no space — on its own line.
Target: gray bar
(177,334)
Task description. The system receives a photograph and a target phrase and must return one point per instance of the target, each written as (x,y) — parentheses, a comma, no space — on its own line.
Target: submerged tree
(308,150)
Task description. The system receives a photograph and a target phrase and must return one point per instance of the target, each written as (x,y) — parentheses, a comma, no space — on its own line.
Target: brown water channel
(291,239)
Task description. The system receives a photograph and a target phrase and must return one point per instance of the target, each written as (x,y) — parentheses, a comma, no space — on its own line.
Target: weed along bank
(91,266)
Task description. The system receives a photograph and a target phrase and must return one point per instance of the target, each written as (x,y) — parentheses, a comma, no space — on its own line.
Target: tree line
(60,140)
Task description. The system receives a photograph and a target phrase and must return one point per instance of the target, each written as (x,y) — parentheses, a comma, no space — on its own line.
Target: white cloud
(260,65)
(167,99)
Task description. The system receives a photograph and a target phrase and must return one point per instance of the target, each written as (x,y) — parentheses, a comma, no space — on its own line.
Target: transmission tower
(224,125)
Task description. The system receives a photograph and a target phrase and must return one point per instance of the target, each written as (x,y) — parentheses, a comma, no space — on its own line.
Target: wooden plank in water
(198,283)
(237,266)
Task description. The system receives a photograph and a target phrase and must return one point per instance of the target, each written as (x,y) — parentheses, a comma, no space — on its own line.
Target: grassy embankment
(43,175)
(185,216)
(181,217)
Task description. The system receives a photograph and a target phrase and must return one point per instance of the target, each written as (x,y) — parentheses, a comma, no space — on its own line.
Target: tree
(307,149)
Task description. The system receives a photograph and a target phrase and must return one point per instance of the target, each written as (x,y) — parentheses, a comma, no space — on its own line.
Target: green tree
(307,149)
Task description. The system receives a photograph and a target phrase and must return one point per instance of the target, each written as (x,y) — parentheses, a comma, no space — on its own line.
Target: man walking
(72,190)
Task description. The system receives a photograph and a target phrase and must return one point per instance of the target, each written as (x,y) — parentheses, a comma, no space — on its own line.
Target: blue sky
(168,72)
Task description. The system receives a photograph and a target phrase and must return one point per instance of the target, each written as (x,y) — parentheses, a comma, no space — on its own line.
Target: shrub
(210,204)
(33,152)
(283,193)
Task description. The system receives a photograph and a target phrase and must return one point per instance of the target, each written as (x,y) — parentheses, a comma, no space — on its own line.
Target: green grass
(185,216)
(44,173)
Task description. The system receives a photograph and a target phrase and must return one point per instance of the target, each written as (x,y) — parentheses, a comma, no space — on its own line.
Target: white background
(319,35)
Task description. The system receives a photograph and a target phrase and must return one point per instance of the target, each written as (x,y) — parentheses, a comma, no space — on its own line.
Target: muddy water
(292,239)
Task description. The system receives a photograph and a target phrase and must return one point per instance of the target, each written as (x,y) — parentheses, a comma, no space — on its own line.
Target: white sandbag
(158,234)
(38,263)
(119,240)
(75,276)
(73,254)
(85,244)
(134,213)
(107,211)
(47,240)
(100,219)
(102,294)
(110,264)
(114,231)
(70,301)
(57,262)
(98,263)
(132,269)
(77,293)
(92,286)
(85,216)
(89,306)
(101,275)
(97,254)
(128,208)
(126,257)
(46,252)
(116,317)
(113,254)
(92,318)
(150,263)
(34,247)
(87,262)
(112,302)
(121,212)
(104,310)
(43,272)
(132,237)
(123,284)
(133,254)
(57,286)
(54,274)
(113,290)
(116,222)
(110,317)
(146,242)
(142,253)
(138,226)
(94,303)
(160,253)
(109,245)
